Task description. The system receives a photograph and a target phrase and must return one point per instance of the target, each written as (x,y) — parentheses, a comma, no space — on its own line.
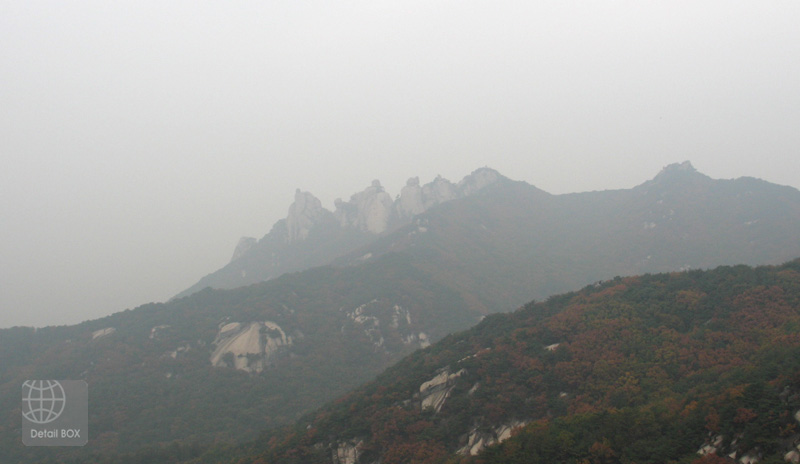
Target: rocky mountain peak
(479,179)
(306,211)
(439,191)
(311,234)
(368,210)
(410,202)
(676,175)
(372,209)
(415,198)
(686,166)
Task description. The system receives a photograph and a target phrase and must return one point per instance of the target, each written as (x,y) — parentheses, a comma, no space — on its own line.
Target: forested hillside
(223,365)
(641,369)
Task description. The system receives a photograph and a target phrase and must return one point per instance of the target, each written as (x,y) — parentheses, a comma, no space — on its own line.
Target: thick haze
(140,140)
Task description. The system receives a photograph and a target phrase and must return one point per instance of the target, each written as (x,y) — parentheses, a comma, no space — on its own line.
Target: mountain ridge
(309,226)
(310,237)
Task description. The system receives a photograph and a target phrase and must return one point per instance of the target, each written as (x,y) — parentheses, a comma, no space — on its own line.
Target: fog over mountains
(328,299)
(680,219)
(536,275)
(140,141)
(312,235)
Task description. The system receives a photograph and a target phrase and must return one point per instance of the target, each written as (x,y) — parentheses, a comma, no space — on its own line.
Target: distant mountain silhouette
(312,236)
(515,242)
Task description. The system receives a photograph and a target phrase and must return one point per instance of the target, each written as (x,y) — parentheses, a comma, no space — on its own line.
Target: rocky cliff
(312,235)
(305,213)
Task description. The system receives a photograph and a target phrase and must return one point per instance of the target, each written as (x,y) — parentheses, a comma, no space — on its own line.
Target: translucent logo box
(55,413)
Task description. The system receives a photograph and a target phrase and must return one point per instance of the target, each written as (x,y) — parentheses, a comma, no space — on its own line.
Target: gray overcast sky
(140,139)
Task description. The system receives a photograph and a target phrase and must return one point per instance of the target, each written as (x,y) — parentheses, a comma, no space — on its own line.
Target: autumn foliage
(641,369)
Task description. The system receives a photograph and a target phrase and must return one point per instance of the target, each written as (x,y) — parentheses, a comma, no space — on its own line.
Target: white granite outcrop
(368,210)
(367,213)
(439,191)
(410,202)
(479,179)
(304,213)
(103,332)
(157,329)
(415,199)
(552,347)
(378,324)
(477,440)
(248,347)
(372,209)
(713,447)
(435,391)
(369,323)
(347,452)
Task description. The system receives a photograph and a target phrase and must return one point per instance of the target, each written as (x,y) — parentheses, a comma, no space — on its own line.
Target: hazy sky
(140,139)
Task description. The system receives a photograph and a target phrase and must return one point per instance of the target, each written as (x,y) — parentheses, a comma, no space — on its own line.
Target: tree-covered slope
(282,348)
(640,369)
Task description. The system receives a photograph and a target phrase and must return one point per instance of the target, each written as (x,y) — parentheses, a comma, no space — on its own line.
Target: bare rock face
(479,179)
(716,445)
(435,391)
(749,459)
(477,440)
(372,209)
(347,452)
(103,332)
(380,324)
(415,199)
(711,447)
(439,191)
(370,324)
(311,235)
(248,347)
(155,331)
(368,210)
(411,200)
(304,213)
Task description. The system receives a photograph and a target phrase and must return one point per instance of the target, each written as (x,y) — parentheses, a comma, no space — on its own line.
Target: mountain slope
(641,369)
(222,365)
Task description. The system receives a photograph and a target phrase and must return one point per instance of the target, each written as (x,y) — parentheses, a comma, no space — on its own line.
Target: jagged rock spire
(373,210)
(306,211)
(368,210)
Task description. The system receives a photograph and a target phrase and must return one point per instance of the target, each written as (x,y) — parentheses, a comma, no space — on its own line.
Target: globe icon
(42,400)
